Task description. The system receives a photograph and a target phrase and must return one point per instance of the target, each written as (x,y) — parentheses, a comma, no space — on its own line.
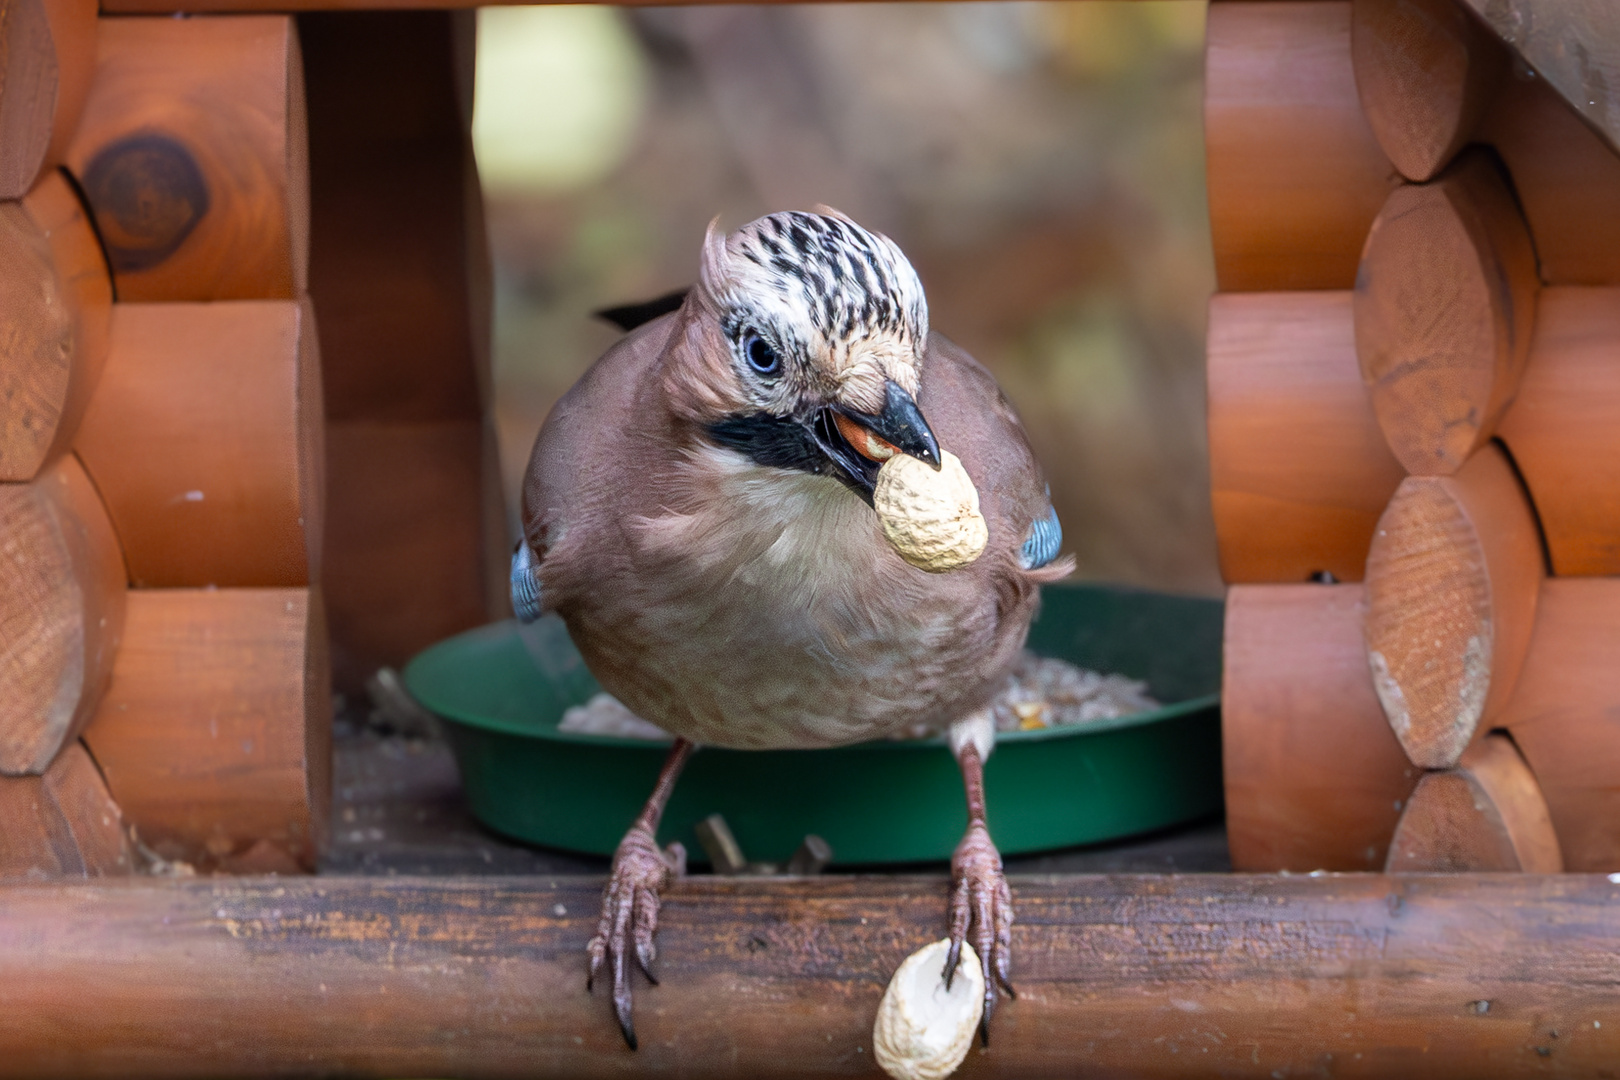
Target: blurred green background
(1041,164)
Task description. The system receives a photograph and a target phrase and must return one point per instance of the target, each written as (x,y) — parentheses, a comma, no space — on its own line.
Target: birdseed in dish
(1039,692)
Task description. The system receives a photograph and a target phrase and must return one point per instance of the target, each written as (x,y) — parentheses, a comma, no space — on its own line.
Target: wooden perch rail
(1227,975)
(192,152)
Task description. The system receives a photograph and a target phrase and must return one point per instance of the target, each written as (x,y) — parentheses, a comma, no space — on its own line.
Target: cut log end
(61,613)
(29,83)
(1488,813)
(1425,73)
(1444,305)
(1451,586)
(36,352)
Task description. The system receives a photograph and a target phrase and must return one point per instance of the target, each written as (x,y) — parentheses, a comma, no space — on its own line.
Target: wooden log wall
(164,680)
(1411,390)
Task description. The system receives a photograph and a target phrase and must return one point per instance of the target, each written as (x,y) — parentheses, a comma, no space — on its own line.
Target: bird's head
(802,348)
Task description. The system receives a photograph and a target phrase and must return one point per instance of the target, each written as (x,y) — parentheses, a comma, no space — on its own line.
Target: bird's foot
(981,911)
(630,915)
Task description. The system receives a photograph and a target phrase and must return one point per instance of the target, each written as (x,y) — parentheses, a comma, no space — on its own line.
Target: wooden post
(1564,427)
(417,537)
(47,53)
(1425,70)
(206,439)
(1444,304)
(193,154)
(1452,580)
(1314,777)
(62,823)
(1295,174)
(1299,471)
(57,298)
(1487,813)
(215,735)
(61,612)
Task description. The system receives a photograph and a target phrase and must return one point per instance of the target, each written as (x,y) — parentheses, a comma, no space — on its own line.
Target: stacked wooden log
(1413,398)
(164,659)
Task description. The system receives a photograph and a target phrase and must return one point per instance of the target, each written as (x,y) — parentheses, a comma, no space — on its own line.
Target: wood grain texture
(1231,975)
(1425,70)
(1315,779)
(62,824)
(1299,471)
(61,612)
(1452,580)
(417,541)
(215,735)
(1485,814)
(1444,308)
(407,541)
(207,440)
(29,81)
(1566,177)
(73,39)
(1575,47)
(1564,427)
(192,153)
(1295,174)
(1565,716)
(56,286)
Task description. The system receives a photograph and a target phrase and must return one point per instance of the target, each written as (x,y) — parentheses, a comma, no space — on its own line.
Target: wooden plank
(192,152)
(1230,975)
(61,612)
(1315,778)
(1299,471)
(1574,45)
(206,439)
(1444,308)
(1452,580)
(1487,813)
(1426,71)
(57,295)
(215,735)
(1295,174)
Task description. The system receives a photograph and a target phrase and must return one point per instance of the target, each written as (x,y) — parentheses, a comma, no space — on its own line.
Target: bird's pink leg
(980,900)
(630,901)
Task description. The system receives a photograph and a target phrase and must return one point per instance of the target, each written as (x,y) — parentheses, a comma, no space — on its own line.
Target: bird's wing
(571,474)
(976,422)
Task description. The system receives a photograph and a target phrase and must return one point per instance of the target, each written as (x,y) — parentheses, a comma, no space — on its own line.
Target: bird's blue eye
(761,357)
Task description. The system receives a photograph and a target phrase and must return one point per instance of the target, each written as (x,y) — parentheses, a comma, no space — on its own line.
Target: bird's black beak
(901,425)
(859,443)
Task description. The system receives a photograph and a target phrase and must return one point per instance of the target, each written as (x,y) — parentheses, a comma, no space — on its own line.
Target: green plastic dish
(502,689)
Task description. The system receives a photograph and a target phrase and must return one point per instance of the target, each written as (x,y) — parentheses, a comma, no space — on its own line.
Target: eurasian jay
(698,509)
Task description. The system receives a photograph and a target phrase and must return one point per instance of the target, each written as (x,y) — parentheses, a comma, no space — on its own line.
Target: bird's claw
(981,911)
(630,916)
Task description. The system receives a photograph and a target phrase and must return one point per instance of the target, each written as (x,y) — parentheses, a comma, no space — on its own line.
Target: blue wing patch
(1045,538)
(525,586)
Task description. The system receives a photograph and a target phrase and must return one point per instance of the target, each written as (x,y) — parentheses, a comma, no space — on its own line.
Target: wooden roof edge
(1574,45)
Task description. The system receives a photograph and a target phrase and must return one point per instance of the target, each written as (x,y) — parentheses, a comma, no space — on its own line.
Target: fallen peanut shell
(931,518)
(923,1030)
